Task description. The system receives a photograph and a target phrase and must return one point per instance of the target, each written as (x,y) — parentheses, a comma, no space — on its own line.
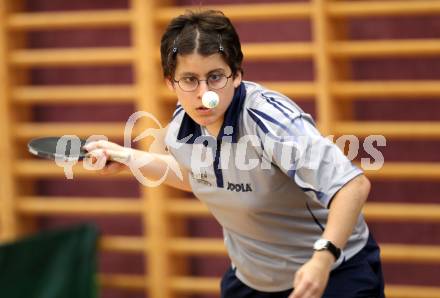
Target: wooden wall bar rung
(185,207)
(198,246)
(402,211)
(403,253)
(45,205)
(196,285)
(277,51)
(377,90)
(123,281)
(176,246)
(73,94)
(38,169)
(80,205)
(406,170)
(58,20)
(125,244)
(111,130)
(405,291)
(254,12)
(303,10)
(72,57)
(305,90)
(383,8)
(388,48)
(395,130)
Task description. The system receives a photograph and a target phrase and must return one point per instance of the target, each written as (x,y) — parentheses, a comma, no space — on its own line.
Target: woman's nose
(202,88)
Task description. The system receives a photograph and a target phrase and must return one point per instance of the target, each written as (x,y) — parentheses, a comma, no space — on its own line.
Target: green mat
(52,264)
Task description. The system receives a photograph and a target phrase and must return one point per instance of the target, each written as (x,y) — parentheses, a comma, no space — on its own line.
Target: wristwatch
(324,244)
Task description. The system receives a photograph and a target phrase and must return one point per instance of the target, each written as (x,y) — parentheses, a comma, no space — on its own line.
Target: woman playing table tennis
(288,200)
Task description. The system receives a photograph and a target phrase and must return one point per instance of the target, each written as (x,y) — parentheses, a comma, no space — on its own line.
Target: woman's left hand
(311,278)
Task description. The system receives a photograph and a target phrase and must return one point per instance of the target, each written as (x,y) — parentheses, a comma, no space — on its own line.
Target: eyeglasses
(214,82)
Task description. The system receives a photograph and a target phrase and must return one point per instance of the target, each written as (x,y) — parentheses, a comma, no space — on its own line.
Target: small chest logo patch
(201,178)
(241,187)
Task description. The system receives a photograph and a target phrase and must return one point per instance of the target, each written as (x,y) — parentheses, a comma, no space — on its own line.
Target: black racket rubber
(46,148)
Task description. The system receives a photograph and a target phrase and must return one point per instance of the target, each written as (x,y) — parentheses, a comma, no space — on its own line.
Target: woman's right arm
(159,165)
(152,165)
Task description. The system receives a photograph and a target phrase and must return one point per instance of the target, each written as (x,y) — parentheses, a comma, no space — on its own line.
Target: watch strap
(333,249)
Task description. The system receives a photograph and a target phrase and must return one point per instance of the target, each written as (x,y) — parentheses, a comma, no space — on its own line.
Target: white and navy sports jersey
(268,178)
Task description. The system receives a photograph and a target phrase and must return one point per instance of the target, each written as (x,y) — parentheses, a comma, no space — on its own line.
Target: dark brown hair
(205,32)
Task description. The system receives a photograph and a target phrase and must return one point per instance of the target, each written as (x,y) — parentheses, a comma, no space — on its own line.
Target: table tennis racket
(66,148)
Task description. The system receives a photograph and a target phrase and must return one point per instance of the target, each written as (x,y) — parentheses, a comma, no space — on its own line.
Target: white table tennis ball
(210,99)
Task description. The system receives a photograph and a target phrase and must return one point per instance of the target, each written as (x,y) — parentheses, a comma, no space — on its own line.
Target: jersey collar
(190,128)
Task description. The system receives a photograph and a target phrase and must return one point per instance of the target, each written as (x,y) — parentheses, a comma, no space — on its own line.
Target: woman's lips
(203,111)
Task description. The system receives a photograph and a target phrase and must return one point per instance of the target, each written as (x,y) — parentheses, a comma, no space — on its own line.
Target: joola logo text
(242,187)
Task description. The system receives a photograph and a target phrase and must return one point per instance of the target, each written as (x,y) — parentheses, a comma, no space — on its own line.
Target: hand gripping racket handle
(118,156)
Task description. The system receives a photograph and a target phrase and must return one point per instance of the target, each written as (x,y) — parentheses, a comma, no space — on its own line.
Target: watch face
(320,244)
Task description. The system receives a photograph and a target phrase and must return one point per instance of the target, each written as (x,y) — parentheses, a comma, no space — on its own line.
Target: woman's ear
(237,79)
(170,84)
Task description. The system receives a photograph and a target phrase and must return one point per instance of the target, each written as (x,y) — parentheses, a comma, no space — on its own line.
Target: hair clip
(220,45)
(175,45)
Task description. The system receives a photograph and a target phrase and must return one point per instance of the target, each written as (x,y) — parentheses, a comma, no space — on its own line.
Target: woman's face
(195,66)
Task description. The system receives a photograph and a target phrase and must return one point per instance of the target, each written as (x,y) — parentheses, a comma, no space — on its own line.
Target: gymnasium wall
(357,107)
